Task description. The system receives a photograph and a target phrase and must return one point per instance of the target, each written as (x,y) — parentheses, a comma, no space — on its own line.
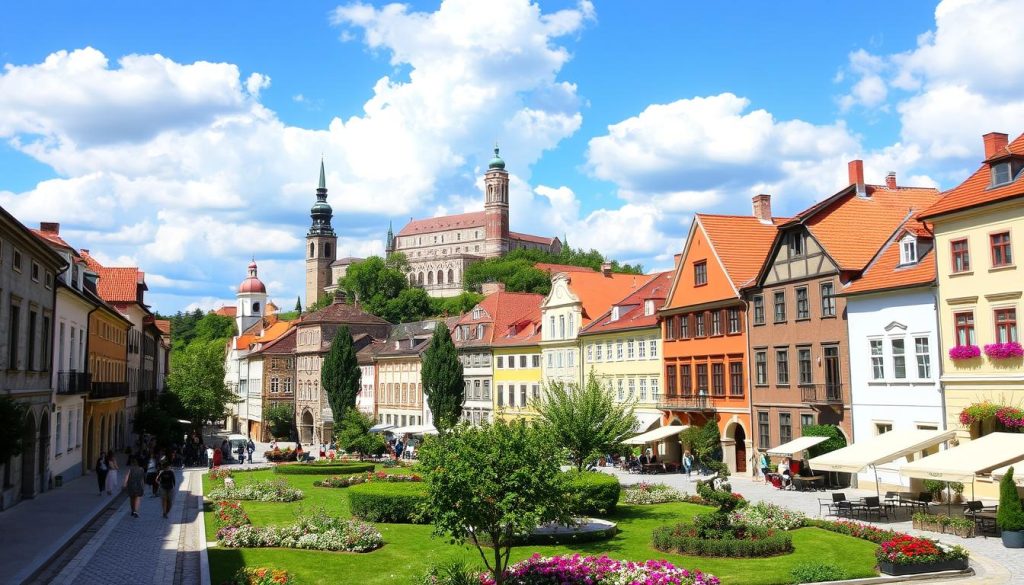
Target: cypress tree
(441,375)
(298,304)
(340,375)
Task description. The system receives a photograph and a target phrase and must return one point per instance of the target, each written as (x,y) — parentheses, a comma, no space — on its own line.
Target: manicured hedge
(338,469)
(400,503)
(754,542)
(593,492)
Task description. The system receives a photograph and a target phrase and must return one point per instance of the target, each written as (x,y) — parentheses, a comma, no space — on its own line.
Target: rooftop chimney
(890,180)
(50,227)
(763,208)
(606,268)
(856,169)
(995,142)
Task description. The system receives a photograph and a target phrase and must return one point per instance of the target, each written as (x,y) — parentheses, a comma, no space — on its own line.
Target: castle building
(439,249)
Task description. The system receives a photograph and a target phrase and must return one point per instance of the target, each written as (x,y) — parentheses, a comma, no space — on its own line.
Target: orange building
(704,330)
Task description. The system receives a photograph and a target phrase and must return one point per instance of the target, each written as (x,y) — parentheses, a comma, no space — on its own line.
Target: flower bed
(652,493)
(229,514)
(766,515)
(964,352)
(220,473)
(907,555)
(315,531)
(323,468)
(1004,351)
(380,476)
(278,456)
(381,502)
(732,541)
(854,529)
(1010,417)
(269,490)
(262,576)
(579,570)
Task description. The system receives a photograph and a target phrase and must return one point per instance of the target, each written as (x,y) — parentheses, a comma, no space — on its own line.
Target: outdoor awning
(380,428)
(655,435)
(1018,472)
(964,462)
(796,445)
(644,420)
(414,430)
(880,449)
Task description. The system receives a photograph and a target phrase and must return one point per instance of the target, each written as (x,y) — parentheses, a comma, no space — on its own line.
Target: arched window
(451,276)
(327,250)
(440,277)
(312,249)
(420,279)
(255,308)
(412,279)
(430,278)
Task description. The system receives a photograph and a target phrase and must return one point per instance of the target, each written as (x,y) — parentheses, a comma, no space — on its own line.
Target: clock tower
(321,244)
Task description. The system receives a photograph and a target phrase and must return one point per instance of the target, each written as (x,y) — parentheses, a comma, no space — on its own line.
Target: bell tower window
(327,250)
(312,249)
(255,308)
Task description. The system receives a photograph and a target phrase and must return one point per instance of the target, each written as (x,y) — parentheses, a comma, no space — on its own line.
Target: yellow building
(622,348)
(979,230)
(516,366)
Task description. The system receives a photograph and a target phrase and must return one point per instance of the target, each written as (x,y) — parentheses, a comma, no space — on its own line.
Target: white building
(249,306)
(894,360)
(366,401)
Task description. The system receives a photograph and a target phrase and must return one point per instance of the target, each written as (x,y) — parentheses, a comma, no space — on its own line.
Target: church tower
(496,240)
(321,244)
(251,300)
(389,248)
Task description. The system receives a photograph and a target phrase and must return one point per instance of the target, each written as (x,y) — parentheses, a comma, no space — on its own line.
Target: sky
(185,138)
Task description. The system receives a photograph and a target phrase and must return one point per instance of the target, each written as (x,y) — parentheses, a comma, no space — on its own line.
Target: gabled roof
(163,325)
(342,312)
(366,355)
(597,291)
(118,284)
(634,317)
(284,344)
(976,189)
(851,229)
(54,239)
(500,311)
(524,330)
(443,223)
(346,261)
(412,338)
(886,273)
(741,243)
(226,311)
(531,238)
(261,332)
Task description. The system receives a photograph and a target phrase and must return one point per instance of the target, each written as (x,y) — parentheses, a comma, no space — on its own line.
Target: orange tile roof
(657,289)
(597,291)
(53,239)
(445,222)
(262,332)
(553,268)
(531,238)
(226,311)
(163,325)
(975,190)
(741,242)
(524,330)
(282,345)
(116,284)
(501,310)
(852,229)
(885,272)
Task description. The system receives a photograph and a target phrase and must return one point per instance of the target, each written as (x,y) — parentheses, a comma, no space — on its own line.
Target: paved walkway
(993,563)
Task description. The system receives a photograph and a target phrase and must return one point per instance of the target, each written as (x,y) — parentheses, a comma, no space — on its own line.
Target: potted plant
(918,520)
(962,527)
(1010,516)
(904,554)
(958,491)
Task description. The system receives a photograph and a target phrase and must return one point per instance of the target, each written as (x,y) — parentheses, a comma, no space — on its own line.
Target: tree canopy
(280,419)
(12,427)
(352,434)
(441,375)
(196,379)
(517,270)
(340,375)
(585,420)
(493,484)
(187,327)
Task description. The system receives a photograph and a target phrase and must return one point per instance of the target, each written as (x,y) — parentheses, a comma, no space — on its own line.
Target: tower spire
(323,178)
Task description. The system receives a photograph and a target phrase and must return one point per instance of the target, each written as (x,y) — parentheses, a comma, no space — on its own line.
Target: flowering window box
(1004,351)
(964,352)
(895,569)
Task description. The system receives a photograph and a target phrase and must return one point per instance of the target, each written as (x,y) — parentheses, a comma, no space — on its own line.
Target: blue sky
(186,139)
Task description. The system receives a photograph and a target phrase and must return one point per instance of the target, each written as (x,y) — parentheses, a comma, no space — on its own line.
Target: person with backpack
(251,447)
(101,472)
(167,481)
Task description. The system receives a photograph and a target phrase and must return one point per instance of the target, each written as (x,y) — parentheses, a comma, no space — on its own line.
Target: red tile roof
(500,311)
(341,312)
(262,332)
(532,239)
(226,311)
(54,239)
(597,291)
(852,229)
(445,222)
(163,325)
(975,190)
(524,330)
(554,268)
(283,343)
(741,242)
(634,317)
(885,272)
(116,284)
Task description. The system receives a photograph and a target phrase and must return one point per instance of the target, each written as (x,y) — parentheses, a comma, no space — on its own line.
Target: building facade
(106,422)
(366,400)
(278,360)
(400,399)
(516,366)
(979,227)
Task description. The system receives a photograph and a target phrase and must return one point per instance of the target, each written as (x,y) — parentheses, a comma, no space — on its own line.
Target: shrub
(593,492)
(453,573)
(381,502)
(262,576)
(652,493)
(380,476)
(277,455)
(836,440)
(323,468)
(229,514)
(815,572)
(580,570)
(1010,516)
(721,541)
(268,490)
(767,515)
(316,531)
(220,473)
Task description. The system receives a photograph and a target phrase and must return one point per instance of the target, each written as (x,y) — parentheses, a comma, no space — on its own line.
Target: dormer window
(615,313)
(476,313)
(458,334)
(648,308)
(1001,173)
(796,244)
(479,331)
(908,250)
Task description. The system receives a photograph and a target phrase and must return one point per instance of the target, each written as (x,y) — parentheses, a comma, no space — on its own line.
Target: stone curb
(204,560)
(937,576)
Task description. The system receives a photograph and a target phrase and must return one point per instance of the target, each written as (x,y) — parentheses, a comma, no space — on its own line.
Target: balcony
(822,393)
(72,382)
(108,390)
(694,402)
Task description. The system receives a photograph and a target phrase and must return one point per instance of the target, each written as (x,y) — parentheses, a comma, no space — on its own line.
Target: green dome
(496,162)
(321,207)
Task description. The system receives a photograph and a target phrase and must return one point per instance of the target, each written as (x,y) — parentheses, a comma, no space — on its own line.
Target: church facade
(439,249)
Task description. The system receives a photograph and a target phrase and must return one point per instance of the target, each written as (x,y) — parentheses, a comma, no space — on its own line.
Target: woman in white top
(111,473)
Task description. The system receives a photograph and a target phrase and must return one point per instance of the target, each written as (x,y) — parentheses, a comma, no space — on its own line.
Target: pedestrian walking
(151,466)
(111,482)
(765,465)
(211,456)
(101,472)
(134,482)
(251,447)
(241,452)
(167,481)
(687,462)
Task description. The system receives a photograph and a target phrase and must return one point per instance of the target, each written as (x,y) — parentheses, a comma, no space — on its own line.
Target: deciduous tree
(340,375)
(353,434)
(441,375)
(280,419)
(197,380)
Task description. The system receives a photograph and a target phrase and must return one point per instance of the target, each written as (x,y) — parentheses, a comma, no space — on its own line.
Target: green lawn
(410,549)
